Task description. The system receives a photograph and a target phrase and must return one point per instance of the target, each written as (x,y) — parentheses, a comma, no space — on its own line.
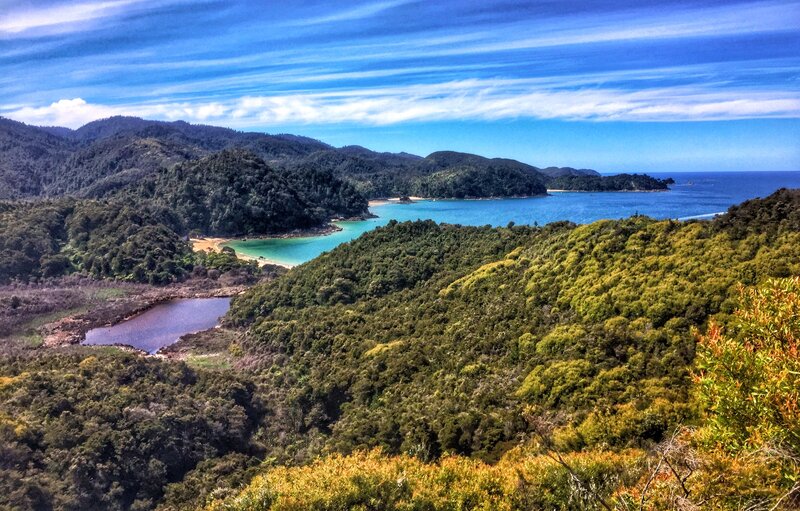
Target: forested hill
(448,174)
(512,368)
(138,233)
(26,154)
(429,338)
(234,192)
(50,161)
(110,154)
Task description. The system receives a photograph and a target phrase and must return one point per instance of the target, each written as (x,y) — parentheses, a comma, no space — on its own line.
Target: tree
(749,377)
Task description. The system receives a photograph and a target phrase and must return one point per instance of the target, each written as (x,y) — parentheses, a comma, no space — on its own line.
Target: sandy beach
(216,244)
(393,200)
(555,190)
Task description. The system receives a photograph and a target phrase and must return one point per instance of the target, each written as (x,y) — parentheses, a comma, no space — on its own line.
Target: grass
(109,293)
(28,332)
(211,361)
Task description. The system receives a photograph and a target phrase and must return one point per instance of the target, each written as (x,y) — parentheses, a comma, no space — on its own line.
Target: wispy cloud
(460,100)
(353,13)
(756,17)
(383,62)
(59,18)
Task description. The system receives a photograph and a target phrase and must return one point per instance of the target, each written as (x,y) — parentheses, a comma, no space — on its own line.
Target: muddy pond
(163,324)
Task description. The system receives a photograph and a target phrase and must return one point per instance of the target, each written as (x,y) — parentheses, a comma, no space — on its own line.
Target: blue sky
(612,85)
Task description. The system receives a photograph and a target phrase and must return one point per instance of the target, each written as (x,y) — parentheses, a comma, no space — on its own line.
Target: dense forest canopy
(504,368)
(431,338)
(741,453)
(106,430)
(236,193)
(111,154)
(103,239)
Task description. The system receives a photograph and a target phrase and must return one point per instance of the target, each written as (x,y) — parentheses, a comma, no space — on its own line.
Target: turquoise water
(694,195)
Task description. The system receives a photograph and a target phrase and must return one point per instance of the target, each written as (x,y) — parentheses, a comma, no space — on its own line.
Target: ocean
(694,195)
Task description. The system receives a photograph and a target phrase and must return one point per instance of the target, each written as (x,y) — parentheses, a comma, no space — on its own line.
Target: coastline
(605,191)
(216,245)
(395,200)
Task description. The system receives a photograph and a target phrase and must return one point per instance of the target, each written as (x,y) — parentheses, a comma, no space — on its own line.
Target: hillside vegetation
(113,154)
(629,364)
(627,182)
(744,453)
(27,153)
(107,430)
(429,338)
(236,193)
(450,174)
(102,239)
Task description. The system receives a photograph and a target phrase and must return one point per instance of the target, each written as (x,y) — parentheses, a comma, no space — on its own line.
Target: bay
(694,195)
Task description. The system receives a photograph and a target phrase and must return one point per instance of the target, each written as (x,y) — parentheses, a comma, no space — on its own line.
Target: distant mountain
(210,138)
(357,150)
(27,154)
(451,174)
(234,192)
(110,155)
(54,161)
(567,171)
(121,160)
(58,131)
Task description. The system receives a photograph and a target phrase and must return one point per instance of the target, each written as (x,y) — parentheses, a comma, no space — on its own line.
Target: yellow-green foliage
(749,378)
(628,268)
(553,381)
(481,274)
(15,427)
(370,481)
(559,339)
(710,481)
(382,348)
(592,324)
(7,381)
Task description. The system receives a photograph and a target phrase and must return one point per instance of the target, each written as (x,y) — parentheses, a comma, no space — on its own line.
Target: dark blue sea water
(694,195)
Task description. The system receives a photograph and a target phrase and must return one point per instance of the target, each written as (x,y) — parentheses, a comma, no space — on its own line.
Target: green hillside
(234,192)
(109,155)
(429,338)
(557,367)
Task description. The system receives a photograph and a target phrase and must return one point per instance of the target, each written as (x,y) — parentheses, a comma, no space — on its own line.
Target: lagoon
(163,324)
(694,195)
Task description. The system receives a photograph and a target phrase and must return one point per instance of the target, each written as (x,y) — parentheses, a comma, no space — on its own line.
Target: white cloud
(59,17)
(359,12)
(74,113)
(71,113)
(458,100)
